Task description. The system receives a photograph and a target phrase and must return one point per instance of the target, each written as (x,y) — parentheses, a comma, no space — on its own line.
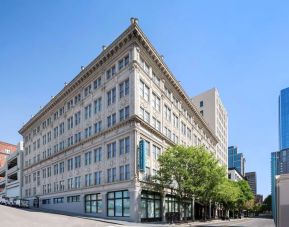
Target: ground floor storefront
(131,204)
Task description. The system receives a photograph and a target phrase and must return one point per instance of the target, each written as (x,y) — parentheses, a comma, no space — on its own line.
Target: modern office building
(212,109)
(236,160)
(282,200)
(92,147)
(5,150)
(279,166)
(234,175)
(11,175)
(284,119)
(251,177)
(280,159)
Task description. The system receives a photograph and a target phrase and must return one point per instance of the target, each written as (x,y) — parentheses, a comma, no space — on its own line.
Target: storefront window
(93,203)
(118,204)
(150,206)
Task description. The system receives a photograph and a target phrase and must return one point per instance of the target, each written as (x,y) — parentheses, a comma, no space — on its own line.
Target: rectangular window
(77,162)
(73,199)
(110,72)
(124,145)
(88,180)
(77,182)
(93,203)
(111,150)
(77,118)
(145,115)
(87,112)
(87,90)
(97,177)
(97,83)
(118,204)
(97,127)
(124,88)
(156,102)
(97,105)
(124,113)
(156,152)
(87,158)
(97,154)
(111,96)
(144,90)
(58,200)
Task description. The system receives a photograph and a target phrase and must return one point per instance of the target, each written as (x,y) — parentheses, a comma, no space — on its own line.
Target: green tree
(191,172)
(245,197)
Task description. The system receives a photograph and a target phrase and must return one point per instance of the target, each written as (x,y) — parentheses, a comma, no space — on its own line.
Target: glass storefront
(150,206)
(93,203)
(118,204)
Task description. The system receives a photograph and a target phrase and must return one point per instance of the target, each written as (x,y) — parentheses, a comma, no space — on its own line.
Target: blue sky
(240,47)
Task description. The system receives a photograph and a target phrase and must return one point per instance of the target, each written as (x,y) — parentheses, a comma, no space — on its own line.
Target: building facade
(11,175)
(212,109)
(234,175)
(284,119)
(91,149)
(251,177)
(279,166)
(236,160)
(5,150)
(282,200)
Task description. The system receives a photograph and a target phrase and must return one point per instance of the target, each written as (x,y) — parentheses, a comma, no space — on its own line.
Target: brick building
(5,150)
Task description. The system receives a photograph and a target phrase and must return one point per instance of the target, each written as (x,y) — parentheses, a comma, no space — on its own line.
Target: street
(13,217)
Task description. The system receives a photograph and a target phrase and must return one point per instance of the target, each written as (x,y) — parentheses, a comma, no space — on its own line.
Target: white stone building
(234,175)
(282,200)
(90,149)
(212,109)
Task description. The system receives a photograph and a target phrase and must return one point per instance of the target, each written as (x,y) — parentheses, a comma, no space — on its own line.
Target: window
(111,96)
(97,105)
(202,112)
(111,150)
(55,169)
(124,145)
(87,158)
(97,83)
(167,113)
(183,128)
(97,177)
(118,204)
(87,112)
(97,126)
(144,90)
(87,132)
(144,65)
(77,182)
(61,167)
(77,99)
(77,118)
(123,62)
(124,113)
(145,115)
(150,206)
(111,120)
(97,154)
(70,123)
(61,128)
(70,183)
(168,133)
(175,121)
(58,200)
(70,141)
(45,201)
(156,79)
(70,164)
(69,104)
(110,72)
(156,124)
(77,137)
(124,172)
(87,90)
(111,175)
(73,199)
(77,162)
(93,203)
(156,102)
(88,180)
(168,92)
(124,88)
(156,152)
(55,130)
(201,103)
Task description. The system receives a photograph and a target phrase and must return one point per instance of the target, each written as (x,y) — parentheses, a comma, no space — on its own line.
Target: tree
(190,172)
(267,204)
(245,197)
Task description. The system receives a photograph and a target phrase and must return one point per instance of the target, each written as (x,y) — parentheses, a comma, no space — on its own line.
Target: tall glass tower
(280,159)
(284,119)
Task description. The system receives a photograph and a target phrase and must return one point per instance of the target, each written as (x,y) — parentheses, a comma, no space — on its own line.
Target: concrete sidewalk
(126,223)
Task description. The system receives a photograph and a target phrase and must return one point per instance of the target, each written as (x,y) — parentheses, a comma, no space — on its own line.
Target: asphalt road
(252,222)
(14,217)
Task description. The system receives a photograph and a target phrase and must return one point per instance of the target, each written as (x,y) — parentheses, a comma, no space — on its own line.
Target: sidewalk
(126,223)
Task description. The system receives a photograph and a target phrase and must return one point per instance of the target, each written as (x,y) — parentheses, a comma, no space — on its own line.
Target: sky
(239,47)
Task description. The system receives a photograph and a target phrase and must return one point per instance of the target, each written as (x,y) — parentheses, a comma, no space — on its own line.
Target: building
(11,175)
(212,109)
(251,177)
(259,199)
(279,166)
(284,119)
(5,150)
(282,200)
(236,160)
(234,175)
(280,159)
(94,145)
